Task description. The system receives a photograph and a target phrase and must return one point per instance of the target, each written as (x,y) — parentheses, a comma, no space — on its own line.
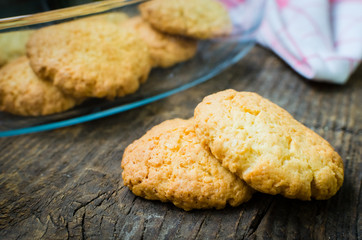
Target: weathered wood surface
(66,184)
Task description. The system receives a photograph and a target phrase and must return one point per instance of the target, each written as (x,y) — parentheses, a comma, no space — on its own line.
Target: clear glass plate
(212,57)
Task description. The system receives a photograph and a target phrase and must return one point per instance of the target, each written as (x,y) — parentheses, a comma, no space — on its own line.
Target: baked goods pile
(236,143)
(104,56)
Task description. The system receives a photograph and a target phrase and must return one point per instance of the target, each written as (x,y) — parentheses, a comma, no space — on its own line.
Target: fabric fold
(319,39)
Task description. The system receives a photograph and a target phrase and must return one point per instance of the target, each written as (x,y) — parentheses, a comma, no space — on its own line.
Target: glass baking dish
(213,56)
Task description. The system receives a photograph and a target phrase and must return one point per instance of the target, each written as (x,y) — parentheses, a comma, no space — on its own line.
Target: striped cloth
(319,39)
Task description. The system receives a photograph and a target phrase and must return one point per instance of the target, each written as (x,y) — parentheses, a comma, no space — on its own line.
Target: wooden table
(66,184)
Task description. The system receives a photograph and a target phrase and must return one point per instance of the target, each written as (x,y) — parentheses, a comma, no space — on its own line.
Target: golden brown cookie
(169,164)
(165,49)
(90,58)
(23,93)
(194,18)
(12,45)
(266,147)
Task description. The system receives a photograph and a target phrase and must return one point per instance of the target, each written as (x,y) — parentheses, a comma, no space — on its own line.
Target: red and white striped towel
(320,39)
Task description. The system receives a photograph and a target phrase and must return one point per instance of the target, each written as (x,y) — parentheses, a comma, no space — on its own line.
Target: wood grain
(66,184)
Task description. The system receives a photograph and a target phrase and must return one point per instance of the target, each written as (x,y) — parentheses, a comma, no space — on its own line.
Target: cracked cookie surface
(90,58)
(200,19)
(23,93)
(165,49)
(170,165)
(266,147)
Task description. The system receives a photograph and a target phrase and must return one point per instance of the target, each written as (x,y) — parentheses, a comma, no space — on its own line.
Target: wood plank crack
(82,205)
(257,220)
(82,226)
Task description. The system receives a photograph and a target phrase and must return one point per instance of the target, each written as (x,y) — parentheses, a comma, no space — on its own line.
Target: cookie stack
(105,56)
(236,143)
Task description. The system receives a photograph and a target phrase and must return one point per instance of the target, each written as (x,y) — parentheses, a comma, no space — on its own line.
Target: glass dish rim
(64,13)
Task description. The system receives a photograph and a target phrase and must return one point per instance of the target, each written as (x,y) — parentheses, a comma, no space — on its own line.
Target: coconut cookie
(90,58)
(23,93)
(169,164)
(194,18)
(266,147)
(165,50)
(12,45)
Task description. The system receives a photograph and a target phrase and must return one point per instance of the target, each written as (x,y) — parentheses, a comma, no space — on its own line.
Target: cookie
(200,19)
(23,93)
(165,49)
(90,58)
(266,147)
(12,45)
(169,164)
(113,17)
